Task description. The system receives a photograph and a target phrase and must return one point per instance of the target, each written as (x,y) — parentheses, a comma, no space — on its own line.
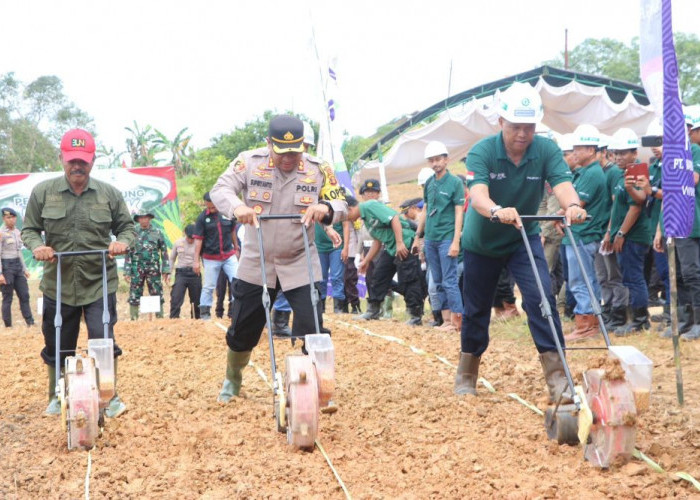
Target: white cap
(424,175)
(435,148)
(623,139)
(566,142)
(309,134)
(655,128)
(586,135)
(521,103)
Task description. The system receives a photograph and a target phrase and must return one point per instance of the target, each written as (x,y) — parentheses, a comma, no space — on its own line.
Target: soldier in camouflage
(145,262)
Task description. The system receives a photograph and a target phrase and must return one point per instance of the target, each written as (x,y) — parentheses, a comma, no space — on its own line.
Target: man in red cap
(77,213)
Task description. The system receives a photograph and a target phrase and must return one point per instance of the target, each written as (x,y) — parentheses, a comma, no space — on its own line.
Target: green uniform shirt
(520,186)
(323,242)
(612,174)
(653,205)
(377,218)
(589,183)
(641,231)
(441,196)
(695,151)
(150,253)
(73,223)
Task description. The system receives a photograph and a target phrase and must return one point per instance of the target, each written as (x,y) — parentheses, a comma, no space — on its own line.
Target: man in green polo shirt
(589,183)
(510,169)
(76,212)
(631,228)
(443,214)
(386,227)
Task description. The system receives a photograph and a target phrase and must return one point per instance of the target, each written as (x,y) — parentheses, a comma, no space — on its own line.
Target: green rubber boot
(235,362)
(160,314)
(54,407)
(388,306)
(116,406)
(134,312)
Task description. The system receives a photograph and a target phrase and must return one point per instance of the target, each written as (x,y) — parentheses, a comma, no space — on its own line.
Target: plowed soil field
(400,432)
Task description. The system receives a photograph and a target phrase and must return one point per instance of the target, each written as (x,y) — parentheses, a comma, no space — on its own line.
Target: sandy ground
(400,432)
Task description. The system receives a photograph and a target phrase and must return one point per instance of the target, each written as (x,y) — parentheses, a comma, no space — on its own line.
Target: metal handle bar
(529,218)
(279,216)
(80,252)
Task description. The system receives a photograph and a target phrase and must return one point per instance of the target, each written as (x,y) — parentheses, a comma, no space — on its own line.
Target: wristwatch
(495,209)
(620,234)
(654,191)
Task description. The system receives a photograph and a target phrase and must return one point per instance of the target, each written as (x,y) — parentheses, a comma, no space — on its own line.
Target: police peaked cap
(8,211)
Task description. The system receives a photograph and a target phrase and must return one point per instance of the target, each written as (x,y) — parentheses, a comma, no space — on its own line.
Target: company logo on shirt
(498,176)
(533,178)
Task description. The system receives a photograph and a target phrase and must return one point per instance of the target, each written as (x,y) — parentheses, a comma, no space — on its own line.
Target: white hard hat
(424,175)
(692,116)
(655,128)
(604,141)
(623,139)
(566,142)
(521,103)
(435,148)
(309,134)
(586,135)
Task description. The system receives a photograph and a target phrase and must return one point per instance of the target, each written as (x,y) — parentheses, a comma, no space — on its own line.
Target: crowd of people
(463,230)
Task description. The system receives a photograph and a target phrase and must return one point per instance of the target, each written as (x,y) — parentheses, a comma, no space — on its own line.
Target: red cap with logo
(78,144)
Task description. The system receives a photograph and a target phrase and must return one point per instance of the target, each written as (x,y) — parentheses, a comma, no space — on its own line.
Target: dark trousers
(350,282)
(504,289)
(71,326)
(688,276)
(409,285)
(249,313)
(481,276)
(15,282)
(222,284)
(631,261)
(186,280)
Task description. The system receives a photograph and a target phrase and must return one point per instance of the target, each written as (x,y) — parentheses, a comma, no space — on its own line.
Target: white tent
(583,99)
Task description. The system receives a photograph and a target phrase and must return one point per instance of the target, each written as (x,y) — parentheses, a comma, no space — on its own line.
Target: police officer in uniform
(277,179)
(13,270)
(186,280)
(145,262)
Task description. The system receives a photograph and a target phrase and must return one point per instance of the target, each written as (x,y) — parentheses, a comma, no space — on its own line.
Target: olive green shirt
(640,232)
(377,218)
(589,183)
(520,186)
(74,223)
(441,197)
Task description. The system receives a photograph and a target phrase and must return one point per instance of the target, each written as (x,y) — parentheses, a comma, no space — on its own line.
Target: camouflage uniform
(145,263)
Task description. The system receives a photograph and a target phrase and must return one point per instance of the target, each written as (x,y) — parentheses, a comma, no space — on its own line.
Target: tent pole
(671,253)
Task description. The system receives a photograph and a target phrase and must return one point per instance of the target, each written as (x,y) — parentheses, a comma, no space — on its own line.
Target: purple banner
(677,175)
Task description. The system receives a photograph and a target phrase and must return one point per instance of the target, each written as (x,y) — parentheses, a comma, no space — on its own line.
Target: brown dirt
(400,431)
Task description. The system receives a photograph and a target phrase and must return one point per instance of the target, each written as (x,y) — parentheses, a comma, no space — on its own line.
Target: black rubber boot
(416,317)
(373,311)
(280,323)
(618,318)
(606,310)
(355,308)
(664,317)
(554,374)
(638,323)
(204,313)
(694,332)
(685,322)
(339,306)
(437,319)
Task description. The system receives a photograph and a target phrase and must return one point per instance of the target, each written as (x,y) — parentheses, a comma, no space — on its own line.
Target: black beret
(8,211)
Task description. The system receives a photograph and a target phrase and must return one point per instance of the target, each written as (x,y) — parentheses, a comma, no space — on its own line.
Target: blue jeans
(432,292)
(281,303)
(443,270)
(480,279)
(212,268)
(631,261)
(331,263)
(576,282)
(569,298)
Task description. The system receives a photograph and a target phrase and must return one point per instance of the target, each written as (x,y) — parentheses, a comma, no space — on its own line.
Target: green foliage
(614,59)
(141,145)
(177,148)
(33,117)
(209,165)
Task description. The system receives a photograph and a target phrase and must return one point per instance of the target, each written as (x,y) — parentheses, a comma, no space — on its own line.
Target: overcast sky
(213,65)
